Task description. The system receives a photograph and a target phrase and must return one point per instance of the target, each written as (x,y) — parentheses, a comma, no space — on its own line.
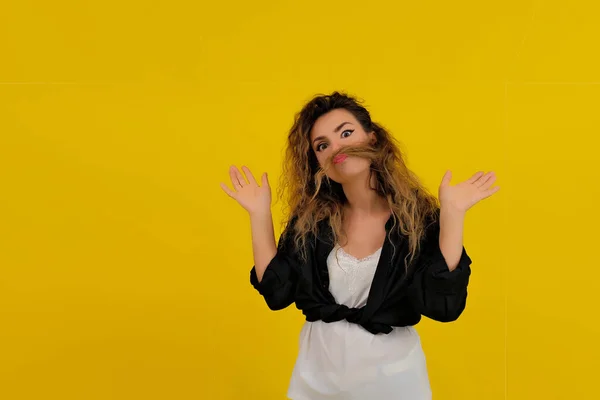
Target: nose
(335,146)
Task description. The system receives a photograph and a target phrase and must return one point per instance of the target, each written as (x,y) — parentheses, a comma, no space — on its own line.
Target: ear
(373,137)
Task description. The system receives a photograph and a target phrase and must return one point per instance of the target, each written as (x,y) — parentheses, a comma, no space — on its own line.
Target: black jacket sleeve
(279,281)
(437,292)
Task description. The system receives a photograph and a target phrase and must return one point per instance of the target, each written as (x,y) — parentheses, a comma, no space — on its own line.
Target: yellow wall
(124,269)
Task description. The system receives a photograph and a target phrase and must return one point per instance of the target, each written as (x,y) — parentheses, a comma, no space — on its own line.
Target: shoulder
(431,227)
(291,240)
(288,232)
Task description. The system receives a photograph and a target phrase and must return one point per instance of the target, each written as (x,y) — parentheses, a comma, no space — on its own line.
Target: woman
(366,251)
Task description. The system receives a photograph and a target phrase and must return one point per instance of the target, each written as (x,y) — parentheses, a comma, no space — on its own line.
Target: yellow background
(124,269)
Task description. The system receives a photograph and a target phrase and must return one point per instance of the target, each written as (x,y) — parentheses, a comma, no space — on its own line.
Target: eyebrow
(340,126)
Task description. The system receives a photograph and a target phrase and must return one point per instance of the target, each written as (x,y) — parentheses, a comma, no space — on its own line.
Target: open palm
(252,197)
(465,195)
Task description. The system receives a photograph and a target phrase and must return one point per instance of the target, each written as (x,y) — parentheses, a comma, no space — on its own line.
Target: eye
(347,130)
(344,134)
(319,148)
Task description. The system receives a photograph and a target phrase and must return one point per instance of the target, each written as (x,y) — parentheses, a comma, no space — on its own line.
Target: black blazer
(396,298)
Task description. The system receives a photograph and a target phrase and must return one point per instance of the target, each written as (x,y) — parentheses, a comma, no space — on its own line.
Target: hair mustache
(365,151)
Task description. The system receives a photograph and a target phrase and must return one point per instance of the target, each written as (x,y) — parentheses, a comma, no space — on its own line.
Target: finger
(476,176)
(240,177)
(447,178)
(249,175)
(234,178)
(490,192)
(226,189)
(265,180)
(487,182)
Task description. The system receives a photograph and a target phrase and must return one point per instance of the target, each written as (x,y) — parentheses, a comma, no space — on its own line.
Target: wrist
(260,215)
(452,212)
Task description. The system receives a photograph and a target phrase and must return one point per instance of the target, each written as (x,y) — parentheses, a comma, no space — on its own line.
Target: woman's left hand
(464,195)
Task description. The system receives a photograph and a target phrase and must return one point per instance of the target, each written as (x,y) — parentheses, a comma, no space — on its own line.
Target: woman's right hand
(253,198)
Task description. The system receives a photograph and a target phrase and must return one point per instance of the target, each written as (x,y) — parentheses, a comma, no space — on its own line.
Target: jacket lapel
(324,244)
(379,286)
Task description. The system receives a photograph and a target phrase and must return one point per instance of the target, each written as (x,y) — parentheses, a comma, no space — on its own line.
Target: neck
(363,200)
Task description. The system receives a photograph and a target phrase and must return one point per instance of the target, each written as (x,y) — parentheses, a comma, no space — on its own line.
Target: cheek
(322,157)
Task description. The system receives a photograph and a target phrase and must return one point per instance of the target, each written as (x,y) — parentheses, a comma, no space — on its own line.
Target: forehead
(327,123)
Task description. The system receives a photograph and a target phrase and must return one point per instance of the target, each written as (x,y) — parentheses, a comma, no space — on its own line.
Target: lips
(339,158)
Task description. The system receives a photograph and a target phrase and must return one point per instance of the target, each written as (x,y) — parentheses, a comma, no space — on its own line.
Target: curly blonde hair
(310,197)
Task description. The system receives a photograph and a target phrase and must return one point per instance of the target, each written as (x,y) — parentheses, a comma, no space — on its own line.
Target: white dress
(343,361)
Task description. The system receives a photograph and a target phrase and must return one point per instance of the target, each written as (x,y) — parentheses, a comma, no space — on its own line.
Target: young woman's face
(336,129)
